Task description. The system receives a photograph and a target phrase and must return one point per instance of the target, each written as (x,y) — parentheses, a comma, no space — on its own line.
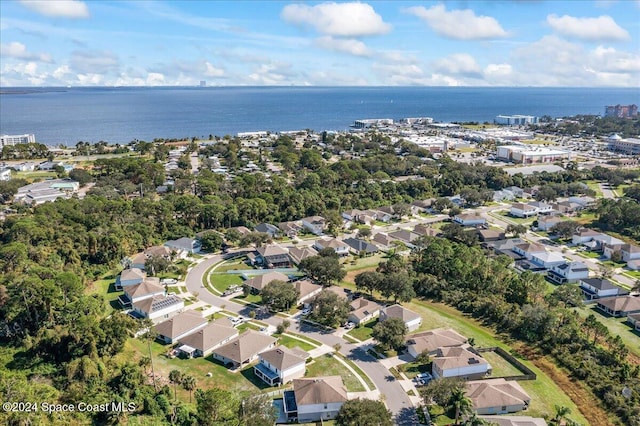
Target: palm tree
(561,413)
(150,336)
(636,286)
(189,383)
(175,377)
(144,362)
(460,403)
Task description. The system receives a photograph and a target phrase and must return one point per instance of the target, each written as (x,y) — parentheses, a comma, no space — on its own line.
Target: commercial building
(515,120)
(523,154)
(629,146)
(372,122)
(10,140)
(621,111)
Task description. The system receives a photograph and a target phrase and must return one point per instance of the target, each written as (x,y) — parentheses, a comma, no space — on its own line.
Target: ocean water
(120,115)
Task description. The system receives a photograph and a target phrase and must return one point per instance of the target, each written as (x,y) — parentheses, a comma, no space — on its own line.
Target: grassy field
(231,265)
(325,365)
(292,342)
(519,220)
(364,331)
(222,281)
(106,288)
(543,391)
(365,262)
(500,367)
(594,185)
(35,175)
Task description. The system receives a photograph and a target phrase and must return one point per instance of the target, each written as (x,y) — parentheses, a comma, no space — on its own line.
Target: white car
(305,311)
(349,325)
(169,281)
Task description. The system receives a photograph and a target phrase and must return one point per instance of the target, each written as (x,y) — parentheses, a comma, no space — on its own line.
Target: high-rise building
(516,120)
(621,111)
(10,140)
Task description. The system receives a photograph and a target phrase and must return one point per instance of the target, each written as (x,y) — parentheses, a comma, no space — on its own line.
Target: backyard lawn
(326,365)
(500,367)
(616,326)
(292,342)
(105,287)
(221,282)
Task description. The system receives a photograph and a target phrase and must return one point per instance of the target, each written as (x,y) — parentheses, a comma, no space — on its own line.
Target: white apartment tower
(10,140)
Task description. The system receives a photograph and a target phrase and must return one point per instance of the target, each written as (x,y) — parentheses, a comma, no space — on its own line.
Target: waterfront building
(516,120)
(629,146)
(621,111)
(10,140)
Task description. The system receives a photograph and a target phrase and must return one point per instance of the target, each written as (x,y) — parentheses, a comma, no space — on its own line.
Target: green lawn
(231,265)
(633,274)
(35,175)
(222,281)
(500,366)
(292,342)
(364,331)
(594,185)
(325,365)
(412,369)
(522,221)
(221,377)
(105,287)
(365,262)
(589,254)
(357,369)
(543,391)
(251,298)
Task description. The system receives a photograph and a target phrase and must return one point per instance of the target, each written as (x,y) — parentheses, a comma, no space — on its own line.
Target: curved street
(392,392)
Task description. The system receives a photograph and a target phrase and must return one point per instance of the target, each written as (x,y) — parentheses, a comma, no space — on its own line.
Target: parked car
(349,325)
(168,281)
(305,311)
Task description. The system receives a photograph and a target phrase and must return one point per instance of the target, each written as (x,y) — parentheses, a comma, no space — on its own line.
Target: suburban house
(603,240)
(545,223)
(338,246)
(584,235)
(527,250)
(595,288)
(547,259)
(137,292)
(469,219)
(281,365)
(271,230)
(584,202)
(273,256)
(180,326)
(314,224)
(242,230)
(383,241)
(129,277)
(567,207)
(298,254)
(138,260)
(363,310)
(290,229)
(514,420)
(459,361)
(384,216)
(158,308)
(542,207)
(315,398)
(619,306)
(184,245)
(568,272)
(630,252)
(503,195)
(404,236)
(634,320)
(258,282)
(634,265)
(351,215)
(307,291)
(608,250)
(421,206)
(523,210)
(497,396)
(358,246)
(411,319)
(243,349)
(430,341)
(204,341)
(426,231)
(505,247)
(486,235)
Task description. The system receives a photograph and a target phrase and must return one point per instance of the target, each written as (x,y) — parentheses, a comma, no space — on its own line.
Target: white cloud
(348,45)
(74,9)
(498,73)
(18,50)
(212,71)
(460,64)
(87,62)
(273,73)
(602,28)
(337,19)
(459,24)
(613,61)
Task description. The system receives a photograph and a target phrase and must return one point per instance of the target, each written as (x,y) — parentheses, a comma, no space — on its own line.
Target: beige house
(459,361)
(205,340)
(281,365)
(307,291)
(430,341)
(363,310)
(258,282)
(316,398)
(180,326)
(497,396)
(244,349)
(411,319)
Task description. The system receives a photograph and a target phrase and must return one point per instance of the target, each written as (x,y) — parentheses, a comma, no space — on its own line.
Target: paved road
(606,190)
(395,397)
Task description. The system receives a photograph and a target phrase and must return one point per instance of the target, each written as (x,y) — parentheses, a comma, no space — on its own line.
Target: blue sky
(377,43)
